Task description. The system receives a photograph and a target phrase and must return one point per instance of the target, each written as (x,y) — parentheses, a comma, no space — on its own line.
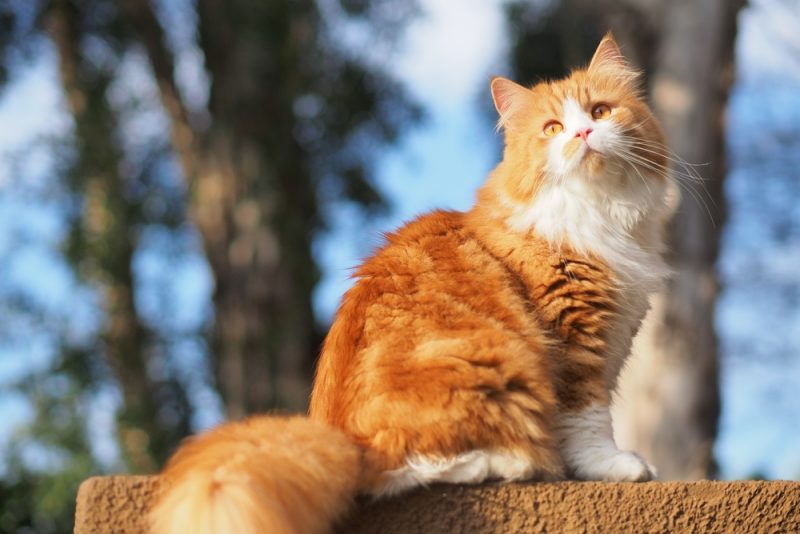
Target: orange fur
(279,475)
(425,359)
(473,345)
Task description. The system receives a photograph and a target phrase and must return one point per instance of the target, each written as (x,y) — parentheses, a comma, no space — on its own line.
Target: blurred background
(185,186)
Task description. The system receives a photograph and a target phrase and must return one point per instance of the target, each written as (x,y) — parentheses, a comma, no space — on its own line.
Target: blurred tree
(671,390)
(668,402)
(293,120)
(102,243)
(51,457)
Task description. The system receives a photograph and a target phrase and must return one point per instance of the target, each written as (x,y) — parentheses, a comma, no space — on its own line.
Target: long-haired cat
(473,346)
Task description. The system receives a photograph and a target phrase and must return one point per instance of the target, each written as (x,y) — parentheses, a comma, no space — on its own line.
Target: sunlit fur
(274,475)
(473,346)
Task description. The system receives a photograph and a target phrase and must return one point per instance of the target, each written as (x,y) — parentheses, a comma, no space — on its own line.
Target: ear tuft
(507,97)
(608,58)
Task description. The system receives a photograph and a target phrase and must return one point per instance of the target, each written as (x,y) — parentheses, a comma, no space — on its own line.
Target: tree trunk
(251,194)
(668,402)
(107,226)
(258,238)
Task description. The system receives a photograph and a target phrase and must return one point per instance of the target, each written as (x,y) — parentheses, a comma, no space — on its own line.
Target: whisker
(670,173)
(631,158)
(689,172)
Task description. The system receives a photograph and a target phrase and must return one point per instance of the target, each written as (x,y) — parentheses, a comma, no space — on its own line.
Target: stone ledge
(118,504)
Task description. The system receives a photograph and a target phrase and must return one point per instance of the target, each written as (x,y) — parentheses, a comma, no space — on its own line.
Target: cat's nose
(584,133)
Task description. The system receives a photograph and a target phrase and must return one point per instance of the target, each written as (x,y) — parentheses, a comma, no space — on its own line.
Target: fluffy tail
(279,475)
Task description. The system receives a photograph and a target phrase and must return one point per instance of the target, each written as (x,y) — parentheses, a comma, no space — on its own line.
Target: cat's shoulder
(425,230)
(426,238)
(437,223)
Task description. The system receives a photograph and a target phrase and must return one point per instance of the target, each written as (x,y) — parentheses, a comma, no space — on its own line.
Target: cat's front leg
(583,422)
(589,451)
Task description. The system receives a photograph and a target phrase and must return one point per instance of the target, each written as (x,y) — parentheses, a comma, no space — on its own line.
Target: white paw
(615,466)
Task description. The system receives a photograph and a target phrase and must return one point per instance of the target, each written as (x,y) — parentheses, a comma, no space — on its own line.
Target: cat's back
(414,253)
(431,276)
(433,270)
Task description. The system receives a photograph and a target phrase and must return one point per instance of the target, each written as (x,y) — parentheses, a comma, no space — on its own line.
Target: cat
(473,346)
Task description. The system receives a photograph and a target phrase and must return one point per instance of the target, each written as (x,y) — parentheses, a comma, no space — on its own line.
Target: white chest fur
(617,223)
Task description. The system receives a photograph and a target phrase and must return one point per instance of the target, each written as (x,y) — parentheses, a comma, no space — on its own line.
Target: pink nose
(584,134)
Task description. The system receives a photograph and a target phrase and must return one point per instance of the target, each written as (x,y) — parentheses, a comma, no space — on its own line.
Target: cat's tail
(281,475)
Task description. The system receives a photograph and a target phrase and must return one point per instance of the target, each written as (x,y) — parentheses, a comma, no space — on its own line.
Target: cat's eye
(552,128)
(601,111)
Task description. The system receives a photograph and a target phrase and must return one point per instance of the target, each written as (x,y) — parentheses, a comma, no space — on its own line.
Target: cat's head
(592,126)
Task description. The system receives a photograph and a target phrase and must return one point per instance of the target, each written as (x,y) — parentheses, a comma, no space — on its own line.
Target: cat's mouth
(586,152)
(580,156)
(590,160)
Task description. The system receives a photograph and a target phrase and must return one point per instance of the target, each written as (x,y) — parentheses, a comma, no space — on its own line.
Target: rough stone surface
(118,505)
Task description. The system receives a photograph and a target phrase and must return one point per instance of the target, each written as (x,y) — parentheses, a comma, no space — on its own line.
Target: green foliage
(50,457)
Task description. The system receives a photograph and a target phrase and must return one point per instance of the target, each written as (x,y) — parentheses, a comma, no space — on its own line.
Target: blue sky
(446,58)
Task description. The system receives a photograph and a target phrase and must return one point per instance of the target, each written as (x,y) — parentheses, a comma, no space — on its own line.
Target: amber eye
(601,111)
(552,128)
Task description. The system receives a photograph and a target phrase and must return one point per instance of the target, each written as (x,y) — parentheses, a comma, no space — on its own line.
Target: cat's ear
(609,59)
(508,98)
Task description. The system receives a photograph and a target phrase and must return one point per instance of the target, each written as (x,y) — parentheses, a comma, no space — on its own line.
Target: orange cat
(473,346)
